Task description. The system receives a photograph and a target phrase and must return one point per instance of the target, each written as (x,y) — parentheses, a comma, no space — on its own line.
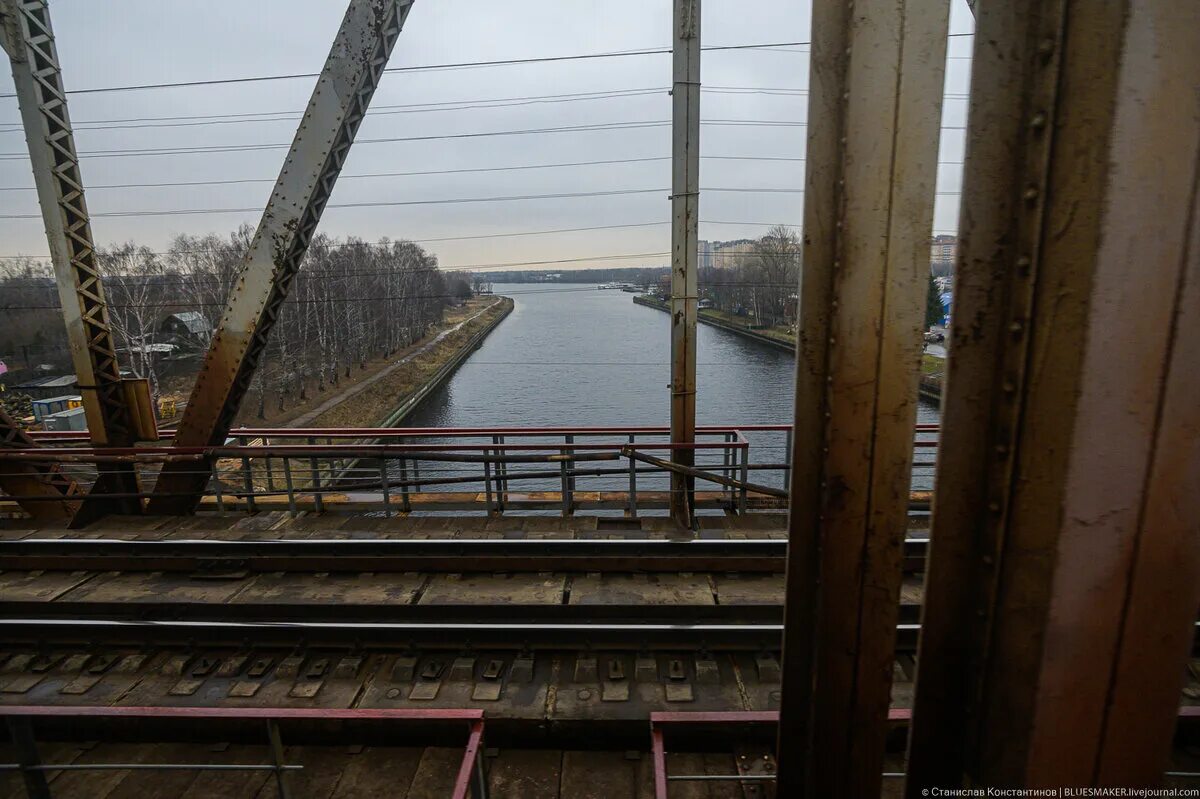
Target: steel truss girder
(29,40)
(877,69)
(1064,569)
(339,102)
(61,492)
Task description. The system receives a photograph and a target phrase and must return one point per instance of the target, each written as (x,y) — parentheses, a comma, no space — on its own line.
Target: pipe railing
(489,469)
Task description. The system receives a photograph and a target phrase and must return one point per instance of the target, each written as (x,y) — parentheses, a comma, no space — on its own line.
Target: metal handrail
(497,459)
(470,776)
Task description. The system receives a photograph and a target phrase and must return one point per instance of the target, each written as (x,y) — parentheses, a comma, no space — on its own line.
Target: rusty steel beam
(877,71)
(1064,572)
(685,220)
(339,102)
(53,496)
(29,41)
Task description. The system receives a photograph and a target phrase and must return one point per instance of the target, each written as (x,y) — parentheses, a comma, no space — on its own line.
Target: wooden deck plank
(497,589)
(351,589)
(379,771)
(12,784)
(525,774)
(749,589)
(152,587)
(161,784)
(435,774)
(39,586)
(599,775)
(648,589)
(98,784)
(323,767)
(231,784)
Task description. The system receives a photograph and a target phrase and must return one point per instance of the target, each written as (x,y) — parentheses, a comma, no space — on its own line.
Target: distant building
(186,329)
(704,250)
(942,252)
(44,387)
(732,254)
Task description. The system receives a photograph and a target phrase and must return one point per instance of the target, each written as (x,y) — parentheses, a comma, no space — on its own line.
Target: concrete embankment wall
(446,370)
(650,302)
(930,386)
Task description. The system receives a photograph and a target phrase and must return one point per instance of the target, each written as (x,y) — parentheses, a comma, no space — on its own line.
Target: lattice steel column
(53,495)
(685,213)
(322,142)
(29,42)
(877,70)
(1064,571)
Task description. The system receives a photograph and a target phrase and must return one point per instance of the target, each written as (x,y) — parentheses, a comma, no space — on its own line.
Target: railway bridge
(212,610)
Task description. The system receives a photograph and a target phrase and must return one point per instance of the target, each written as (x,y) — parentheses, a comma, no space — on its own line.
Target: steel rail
(440,635)
(339,610)
(405,635)
(404,555)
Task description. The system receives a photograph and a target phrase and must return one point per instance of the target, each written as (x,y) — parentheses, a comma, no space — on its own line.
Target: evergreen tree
(934,313)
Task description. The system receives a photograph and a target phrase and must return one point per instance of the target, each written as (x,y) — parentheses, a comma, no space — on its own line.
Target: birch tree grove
(763,286)
(353,301)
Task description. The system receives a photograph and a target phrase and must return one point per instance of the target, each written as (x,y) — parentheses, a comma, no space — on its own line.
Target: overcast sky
(126,42)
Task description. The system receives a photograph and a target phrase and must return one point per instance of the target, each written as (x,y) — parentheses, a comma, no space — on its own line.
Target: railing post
(745,478)
(277,758)
(270,473)
(632,480)
(21,732)
(564,490)
(487,481)
(383,482)
(405,503)
(247,479)
(479,780)
(217,488)
(787,457)
(501,473)
(318,503)
(287,478)
(728,459)
(570,439)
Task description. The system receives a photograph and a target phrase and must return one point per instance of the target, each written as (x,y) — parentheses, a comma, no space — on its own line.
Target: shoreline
(447,369)
(708,320)
(929,389)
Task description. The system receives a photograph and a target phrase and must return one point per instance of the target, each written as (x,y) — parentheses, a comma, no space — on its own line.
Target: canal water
(571,355)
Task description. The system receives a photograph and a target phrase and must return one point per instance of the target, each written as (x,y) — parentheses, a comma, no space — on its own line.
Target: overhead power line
(502,62)
(608,161)
(510,234)
(386,298)
(195,120)
(446,201)
(192,120)
(446,66)
(237,148)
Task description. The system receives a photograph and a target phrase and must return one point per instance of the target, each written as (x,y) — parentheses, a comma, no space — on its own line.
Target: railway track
(408,555)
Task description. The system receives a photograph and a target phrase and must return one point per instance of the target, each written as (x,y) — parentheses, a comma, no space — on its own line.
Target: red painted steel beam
(338,714)
(470,762)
